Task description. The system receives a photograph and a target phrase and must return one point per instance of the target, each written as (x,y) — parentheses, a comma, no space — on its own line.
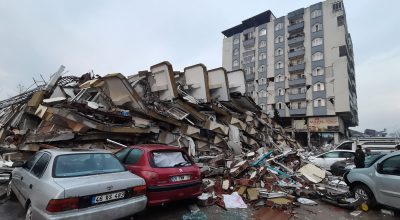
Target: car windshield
(164,159)
(371,159)
(72,165)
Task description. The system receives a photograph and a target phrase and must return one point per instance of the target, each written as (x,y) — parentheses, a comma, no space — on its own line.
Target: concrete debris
(243,154)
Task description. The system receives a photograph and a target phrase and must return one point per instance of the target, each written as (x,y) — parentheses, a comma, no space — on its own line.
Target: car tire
(10,194)
(363,191)
(28,215)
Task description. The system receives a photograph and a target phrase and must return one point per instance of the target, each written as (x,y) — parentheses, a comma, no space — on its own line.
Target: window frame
(278,26)
(316,27)
(383,163)
(263,43)
(317,41)
(235,62)
(317,56)
(316,13)
(263,32)
(236,41)
(318,71)
(236,52)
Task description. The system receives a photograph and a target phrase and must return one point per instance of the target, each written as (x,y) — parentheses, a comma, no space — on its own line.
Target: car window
(122,154)
(29,163)
(391,166)
(346,154)
(164,159)
(72,165)
(40,165)
(346,146)
(331,155)
(134,156)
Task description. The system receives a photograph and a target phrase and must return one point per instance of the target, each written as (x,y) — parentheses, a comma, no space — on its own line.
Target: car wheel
(363,192)
(28,215)
(10,193)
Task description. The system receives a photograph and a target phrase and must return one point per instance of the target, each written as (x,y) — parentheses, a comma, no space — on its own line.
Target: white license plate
(108,197)
(180,178)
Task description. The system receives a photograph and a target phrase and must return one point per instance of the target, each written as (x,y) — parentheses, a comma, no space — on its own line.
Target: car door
(326,160)
(132,161)
(32,181)
(21,174)
(387,181)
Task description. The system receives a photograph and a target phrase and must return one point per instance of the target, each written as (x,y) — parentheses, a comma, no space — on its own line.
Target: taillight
(197,174)
(139,190)
(150,177)
(59,205)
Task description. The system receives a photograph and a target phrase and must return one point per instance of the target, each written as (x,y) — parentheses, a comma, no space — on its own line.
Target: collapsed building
(238,147)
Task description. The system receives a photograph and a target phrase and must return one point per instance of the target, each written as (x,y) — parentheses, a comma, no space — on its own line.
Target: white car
(61,184)
(326,159)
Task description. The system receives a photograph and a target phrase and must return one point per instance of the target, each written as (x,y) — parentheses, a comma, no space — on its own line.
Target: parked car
(379,183)
(325,160)
(169,172)
(341,167)
(62,184)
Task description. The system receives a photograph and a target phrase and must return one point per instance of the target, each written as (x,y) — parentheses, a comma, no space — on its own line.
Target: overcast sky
(36,37)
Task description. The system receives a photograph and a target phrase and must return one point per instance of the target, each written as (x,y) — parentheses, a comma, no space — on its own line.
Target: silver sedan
(65,184)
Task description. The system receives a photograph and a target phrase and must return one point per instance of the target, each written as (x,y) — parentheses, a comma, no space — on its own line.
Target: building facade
(302,65)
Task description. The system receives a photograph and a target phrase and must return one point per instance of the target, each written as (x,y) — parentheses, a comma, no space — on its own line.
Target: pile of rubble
(241,151)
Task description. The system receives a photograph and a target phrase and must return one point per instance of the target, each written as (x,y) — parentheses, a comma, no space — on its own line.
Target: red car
(170,174)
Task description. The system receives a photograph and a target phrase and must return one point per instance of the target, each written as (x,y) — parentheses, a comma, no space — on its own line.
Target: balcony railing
(300,111)
(249,42)
(295,40)
(296,53)
(299,96)
(294,82)
(296,68)
(295,27)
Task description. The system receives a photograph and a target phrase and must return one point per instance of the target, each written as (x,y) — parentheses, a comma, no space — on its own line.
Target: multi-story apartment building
(301,65)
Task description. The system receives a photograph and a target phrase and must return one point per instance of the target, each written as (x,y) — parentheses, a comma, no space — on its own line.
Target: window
(263,106)
(279,78)
(281,92)
(317,56)
(279,65)
(29,164)
(330,155)
(346,155)
(316,13)
(235,63)
(278,52)
(279,105)
(298,105)
(236,41)
(278,26)
(317,41)
(342,51)
(318,71)
(248,36)
(262,68)
(166,159)
(279,39)
(319,87)
(122,154)
(262,81)
(319,103)
(263,32)
(316,27)
(337,6)
(263,43)
(236,52)
(133,156)
(346,146)
(340,20)
(40,165)
(262,56)
(391,166)
(84,164)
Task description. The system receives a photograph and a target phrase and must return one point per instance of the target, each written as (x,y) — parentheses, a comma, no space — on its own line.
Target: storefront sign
(320,124)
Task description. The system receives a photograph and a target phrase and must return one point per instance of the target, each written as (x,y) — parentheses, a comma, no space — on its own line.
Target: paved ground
(12,210)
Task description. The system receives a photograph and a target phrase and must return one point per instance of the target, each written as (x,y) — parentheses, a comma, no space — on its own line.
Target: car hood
(96,184)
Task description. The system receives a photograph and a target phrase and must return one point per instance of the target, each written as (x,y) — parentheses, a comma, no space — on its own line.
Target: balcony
(296,68)
(300,111)
(295,40)
(299,96)
(296,27)
(249,77)
(295,82)
(296,53)
(249,42)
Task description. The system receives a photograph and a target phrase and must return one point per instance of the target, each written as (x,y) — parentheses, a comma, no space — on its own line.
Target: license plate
(108,197)
(180,178)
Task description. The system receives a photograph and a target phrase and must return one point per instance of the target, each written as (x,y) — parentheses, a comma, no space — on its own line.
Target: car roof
(62,151)
(152,147)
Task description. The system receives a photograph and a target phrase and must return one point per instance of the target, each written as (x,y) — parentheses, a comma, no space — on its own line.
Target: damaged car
(379,183)
(62,184)
(169,172)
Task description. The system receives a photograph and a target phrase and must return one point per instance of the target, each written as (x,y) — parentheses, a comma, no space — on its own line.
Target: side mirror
(18,164)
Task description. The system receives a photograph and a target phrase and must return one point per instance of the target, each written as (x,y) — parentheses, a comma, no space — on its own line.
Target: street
(12,210)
